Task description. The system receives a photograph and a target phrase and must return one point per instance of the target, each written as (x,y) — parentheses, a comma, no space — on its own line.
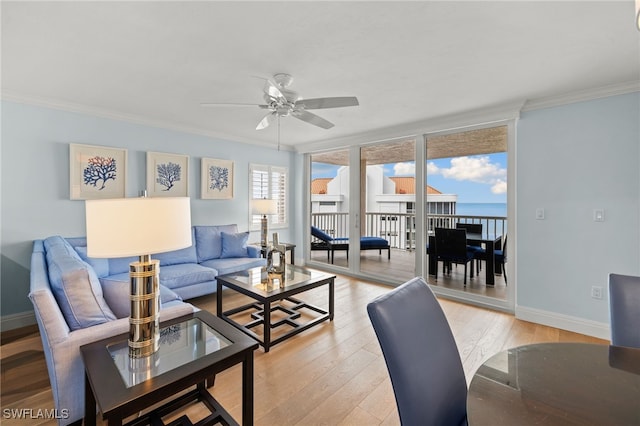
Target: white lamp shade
(264,206)
(123,227)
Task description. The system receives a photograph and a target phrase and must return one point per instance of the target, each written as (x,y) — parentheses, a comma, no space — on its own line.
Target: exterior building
(390,205)
(383,194)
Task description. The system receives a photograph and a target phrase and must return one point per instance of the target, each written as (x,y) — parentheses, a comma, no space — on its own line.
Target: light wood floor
(332,374)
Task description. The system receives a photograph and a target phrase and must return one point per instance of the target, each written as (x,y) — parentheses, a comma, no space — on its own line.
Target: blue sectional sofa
(79,300)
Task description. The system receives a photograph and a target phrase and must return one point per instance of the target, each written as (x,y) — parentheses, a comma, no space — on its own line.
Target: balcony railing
(400,228)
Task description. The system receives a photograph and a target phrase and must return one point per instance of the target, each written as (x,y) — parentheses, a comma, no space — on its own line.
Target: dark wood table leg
(433,258)
(331,298)
(89,404)
(266,319)
(219,299)
(490,269)
(498,246)
(247,390)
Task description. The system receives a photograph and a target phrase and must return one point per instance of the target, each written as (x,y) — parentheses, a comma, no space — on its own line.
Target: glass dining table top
(557,384)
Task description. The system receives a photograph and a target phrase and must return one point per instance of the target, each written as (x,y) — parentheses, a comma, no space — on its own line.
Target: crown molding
(128,118)
(583,95)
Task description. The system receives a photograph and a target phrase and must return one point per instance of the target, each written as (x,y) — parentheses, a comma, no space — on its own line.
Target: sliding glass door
(329,210)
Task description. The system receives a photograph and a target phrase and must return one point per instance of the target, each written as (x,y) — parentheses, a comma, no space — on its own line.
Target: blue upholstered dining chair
(624,306)
(421,355)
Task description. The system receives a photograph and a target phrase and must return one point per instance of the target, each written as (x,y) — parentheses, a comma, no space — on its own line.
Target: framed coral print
(167,175)
(96,172)
(217,179)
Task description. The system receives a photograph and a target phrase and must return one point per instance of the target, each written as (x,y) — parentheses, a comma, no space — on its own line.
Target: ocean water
(482,209)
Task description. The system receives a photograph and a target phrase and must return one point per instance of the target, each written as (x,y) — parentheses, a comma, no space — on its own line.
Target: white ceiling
(155,62)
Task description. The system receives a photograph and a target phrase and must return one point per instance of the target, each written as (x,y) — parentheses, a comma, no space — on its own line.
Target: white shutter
(268,182)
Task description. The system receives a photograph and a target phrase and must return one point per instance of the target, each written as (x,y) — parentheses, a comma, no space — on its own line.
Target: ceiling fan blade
(266,120)
(217,104)
(319,103)
(311,118)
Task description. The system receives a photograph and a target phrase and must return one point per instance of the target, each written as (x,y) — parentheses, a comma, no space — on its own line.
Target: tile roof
(404,185)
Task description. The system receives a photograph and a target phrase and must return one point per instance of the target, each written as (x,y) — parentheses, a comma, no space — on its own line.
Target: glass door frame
(421,267)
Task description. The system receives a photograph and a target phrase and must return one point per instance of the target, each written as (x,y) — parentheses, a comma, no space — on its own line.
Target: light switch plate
(539,214)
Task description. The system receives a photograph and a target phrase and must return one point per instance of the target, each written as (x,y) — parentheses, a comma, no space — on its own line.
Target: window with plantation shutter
(269,182)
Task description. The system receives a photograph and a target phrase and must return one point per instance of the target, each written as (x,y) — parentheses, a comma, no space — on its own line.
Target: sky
(475,179)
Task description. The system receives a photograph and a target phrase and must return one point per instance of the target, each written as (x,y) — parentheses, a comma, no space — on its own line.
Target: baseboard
(23,319)
(564,322)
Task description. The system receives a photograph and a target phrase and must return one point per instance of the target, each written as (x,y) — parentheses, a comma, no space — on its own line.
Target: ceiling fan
(283,102)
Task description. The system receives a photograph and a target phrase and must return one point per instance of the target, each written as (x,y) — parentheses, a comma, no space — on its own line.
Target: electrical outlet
(596,292)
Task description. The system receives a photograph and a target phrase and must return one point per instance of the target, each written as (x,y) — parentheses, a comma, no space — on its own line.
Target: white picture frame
(97,172)
(216,179)
(167,175)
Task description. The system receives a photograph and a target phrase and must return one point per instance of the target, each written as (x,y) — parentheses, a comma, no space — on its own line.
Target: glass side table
(193,349)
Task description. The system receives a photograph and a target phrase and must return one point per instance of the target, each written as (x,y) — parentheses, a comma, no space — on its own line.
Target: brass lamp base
(263,231)
(144,326)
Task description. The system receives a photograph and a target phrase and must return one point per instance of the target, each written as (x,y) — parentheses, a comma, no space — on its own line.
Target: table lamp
(264,207)
(124,227)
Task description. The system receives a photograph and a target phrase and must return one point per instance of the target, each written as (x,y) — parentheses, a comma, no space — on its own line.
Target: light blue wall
(35,180)
(571,160)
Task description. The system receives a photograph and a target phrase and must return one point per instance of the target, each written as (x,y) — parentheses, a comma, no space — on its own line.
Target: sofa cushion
(209,240)
(58,246)
(116,290)
(176,276)
(234,245)
(119,265)
(229,266)
(100,265)
(176,257)
(77,290)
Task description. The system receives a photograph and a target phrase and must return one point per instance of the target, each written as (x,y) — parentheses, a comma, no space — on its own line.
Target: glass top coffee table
(274,306)
(192,350)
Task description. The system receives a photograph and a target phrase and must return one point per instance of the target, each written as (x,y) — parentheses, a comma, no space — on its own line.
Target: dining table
(550,384)
(491,243)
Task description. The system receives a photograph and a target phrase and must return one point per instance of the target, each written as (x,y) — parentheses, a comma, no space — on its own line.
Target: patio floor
(401,268)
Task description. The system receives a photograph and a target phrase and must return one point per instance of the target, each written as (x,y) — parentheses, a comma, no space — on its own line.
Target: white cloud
(404,169)
(432,169)
(475,169)
(499,187)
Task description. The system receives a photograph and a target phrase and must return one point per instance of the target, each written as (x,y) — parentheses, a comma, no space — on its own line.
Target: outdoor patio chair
(330,244)
(451,247)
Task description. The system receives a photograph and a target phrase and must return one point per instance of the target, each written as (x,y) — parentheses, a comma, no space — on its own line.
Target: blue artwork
(218,177)
(168,174)
(99,169)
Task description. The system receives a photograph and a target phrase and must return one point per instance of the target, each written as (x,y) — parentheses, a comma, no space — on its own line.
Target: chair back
(320,234)
(472,228)
(421,355)
(624,306)
(451,243)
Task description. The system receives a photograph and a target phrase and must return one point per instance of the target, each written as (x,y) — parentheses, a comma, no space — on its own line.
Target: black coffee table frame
(104,386)
(268,302)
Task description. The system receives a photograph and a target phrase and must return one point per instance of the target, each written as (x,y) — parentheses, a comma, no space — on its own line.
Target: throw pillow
(100,265)
(209,240)
(117,290)
(77,290)
(234,245)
